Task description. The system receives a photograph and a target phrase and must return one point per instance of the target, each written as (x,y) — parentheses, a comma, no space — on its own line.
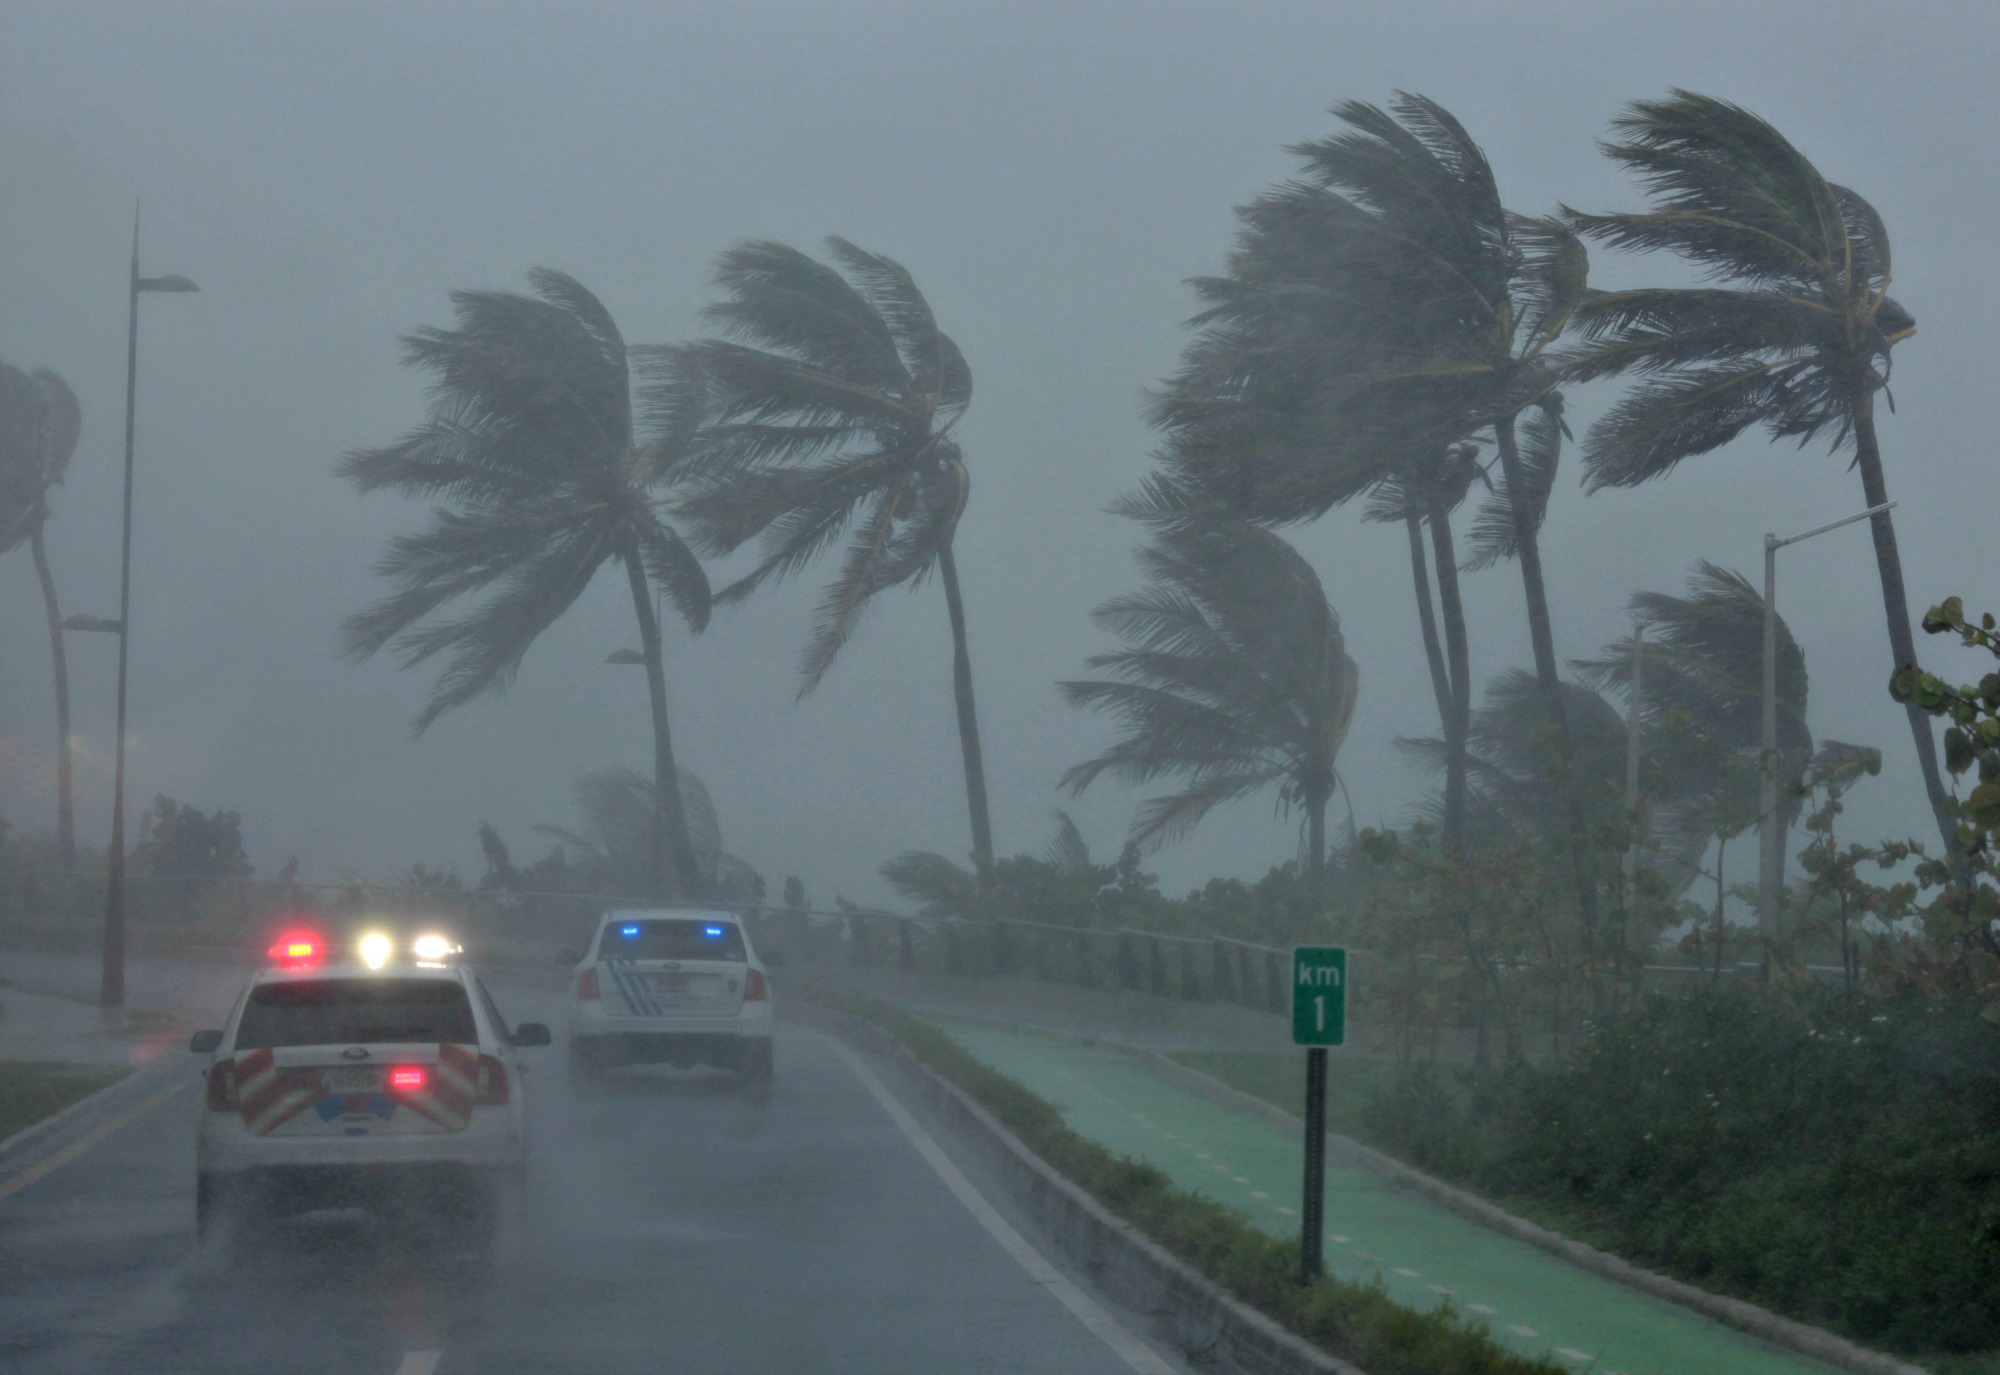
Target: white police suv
(671,986)
(387,1081)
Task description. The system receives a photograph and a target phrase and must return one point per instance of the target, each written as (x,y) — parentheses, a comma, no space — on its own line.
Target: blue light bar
(628,932)
(714,933)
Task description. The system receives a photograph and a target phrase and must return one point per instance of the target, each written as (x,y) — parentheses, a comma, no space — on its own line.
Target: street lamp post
(111,980)
(1770,838)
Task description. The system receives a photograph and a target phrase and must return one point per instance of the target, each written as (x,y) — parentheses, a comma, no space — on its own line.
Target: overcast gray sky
(1051,173)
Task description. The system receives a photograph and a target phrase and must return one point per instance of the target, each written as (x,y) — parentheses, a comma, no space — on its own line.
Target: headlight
(376,949)
(433,948)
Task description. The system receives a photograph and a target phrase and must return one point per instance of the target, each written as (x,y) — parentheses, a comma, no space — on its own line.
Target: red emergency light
(297,950)
(409,1078)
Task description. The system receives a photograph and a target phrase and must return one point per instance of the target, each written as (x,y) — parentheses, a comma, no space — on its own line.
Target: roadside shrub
(1835,1158)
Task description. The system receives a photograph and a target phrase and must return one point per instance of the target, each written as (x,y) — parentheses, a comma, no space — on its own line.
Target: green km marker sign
(1319,995)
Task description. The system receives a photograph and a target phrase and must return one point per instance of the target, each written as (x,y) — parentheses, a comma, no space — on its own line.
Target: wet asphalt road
(675,1225)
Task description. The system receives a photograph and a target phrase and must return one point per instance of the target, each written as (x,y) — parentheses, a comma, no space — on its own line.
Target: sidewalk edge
(1196,1313)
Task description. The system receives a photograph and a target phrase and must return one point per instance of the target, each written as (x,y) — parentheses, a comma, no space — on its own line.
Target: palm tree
(40,422)
(834,400)
(1235,676)
(1795,335)
(544,475)
(1385,304)
(1701,715)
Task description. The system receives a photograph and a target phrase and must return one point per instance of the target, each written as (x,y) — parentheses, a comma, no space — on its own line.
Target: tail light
(753,986)
(491,1089)
(221,1088)
(586,984)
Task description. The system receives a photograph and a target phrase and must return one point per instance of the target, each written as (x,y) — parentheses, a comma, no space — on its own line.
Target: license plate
(670,983)
(352,1080)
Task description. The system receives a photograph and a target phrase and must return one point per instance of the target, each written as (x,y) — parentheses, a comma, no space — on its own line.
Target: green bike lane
(1423,1254)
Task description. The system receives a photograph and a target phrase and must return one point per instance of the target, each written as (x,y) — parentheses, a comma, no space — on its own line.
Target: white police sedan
(387,1081)
(671,986)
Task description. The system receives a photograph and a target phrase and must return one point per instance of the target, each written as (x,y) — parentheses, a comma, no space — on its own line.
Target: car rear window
(671,939)
(325,1012)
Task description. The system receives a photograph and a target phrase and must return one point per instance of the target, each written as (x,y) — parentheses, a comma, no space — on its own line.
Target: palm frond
(830,407)
(1067,851)
(939,887)
(1494,537)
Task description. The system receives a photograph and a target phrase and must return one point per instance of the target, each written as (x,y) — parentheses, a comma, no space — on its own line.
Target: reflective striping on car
(271,1095)
(634,989)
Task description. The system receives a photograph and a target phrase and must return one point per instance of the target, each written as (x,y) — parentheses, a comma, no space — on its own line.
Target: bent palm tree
(1797,339)
(1235,676)
(40,422)
(834,399)
(1384,305)
(544,476)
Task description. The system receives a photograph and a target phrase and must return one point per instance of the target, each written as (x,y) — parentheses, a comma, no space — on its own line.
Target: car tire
(757,1063)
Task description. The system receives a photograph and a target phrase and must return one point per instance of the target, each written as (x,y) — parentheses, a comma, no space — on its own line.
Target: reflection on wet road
(675,1222)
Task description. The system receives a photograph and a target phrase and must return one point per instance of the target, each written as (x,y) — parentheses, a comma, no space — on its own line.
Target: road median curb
(1190,1314)
(1745,1317)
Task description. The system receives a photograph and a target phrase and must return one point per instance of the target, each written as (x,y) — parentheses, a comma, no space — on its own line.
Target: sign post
(1319,1020)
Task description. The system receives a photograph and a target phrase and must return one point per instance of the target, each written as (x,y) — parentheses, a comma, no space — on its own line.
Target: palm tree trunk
(1427,617)
(1529,550)
(968,722)
(1458,726)
(670,830)
(65,801)
(1896,604)
(1316,835)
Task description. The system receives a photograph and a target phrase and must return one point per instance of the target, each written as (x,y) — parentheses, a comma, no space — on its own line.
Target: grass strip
(31,1090)
(1357,1322)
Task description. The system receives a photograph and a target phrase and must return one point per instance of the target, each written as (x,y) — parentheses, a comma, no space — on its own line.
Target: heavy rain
(1165,688)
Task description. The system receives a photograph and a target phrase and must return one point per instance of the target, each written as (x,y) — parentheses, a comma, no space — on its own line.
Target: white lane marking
(419,1362)
(1406,1273)
(1281,1208)
(1440,1289)
(1523,1330)
(1341,1239)
(1574,1354)
(68,1153)
(1483,1310)
(1259,1193)
(1088,1311)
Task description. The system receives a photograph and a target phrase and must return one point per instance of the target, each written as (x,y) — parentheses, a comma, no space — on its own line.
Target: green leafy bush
(1837,1159)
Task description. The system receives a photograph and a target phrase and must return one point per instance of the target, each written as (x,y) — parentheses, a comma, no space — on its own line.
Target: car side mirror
(569,955)
(774,958)
(531,1034)
(205,1042)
